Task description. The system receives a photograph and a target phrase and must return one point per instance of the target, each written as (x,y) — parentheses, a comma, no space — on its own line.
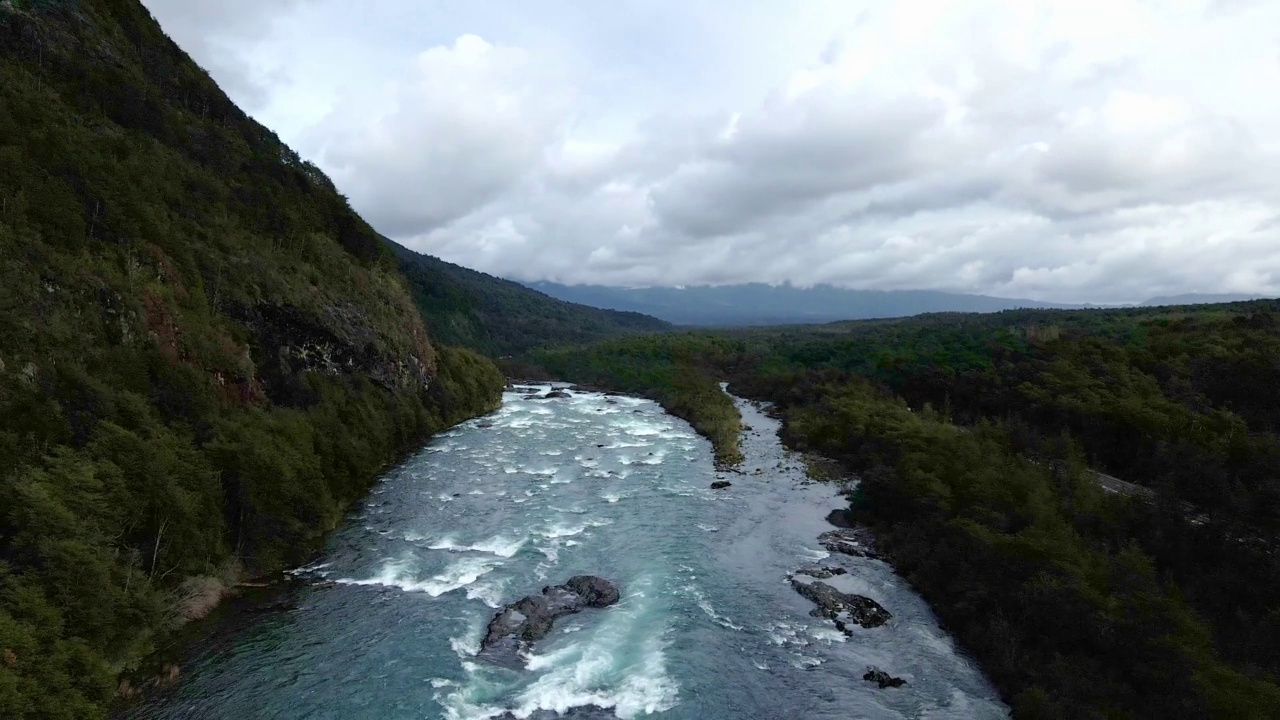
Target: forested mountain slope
(204,353)
(499,317)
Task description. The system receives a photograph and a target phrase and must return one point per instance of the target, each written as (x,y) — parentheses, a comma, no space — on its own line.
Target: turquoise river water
(708,627)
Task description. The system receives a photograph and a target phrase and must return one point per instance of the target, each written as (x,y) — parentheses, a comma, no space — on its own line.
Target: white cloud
(465,125)
(1094,150)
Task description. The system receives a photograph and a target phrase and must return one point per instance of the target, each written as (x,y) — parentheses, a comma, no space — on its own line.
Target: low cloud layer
(1101,152)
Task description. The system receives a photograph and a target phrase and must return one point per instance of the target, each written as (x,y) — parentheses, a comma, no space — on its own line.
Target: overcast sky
(1075,150)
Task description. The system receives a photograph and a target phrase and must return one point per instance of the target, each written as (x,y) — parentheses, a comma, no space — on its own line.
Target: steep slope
(205,355)
(499,317)
(760,304)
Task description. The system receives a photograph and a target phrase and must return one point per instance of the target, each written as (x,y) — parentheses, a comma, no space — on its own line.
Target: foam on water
(645,687)
(812,554)
(467,645)
(705,605)
(828,635)
(489,592)
(400,574)
(499,545)
(559,530)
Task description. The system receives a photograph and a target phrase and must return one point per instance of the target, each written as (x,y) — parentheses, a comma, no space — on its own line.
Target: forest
(205,354)
(977,439)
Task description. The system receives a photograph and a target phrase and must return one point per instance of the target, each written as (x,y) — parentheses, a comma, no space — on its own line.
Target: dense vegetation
(977,436)
(501,318)
(204,353)
(1030,564)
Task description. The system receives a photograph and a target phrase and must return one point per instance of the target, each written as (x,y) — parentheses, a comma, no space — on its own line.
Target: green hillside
(205,355)
(502,318)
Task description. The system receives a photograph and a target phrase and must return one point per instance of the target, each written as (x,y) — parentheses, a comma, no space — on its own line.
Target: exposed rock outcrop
(821,572)
(339,340)
(531,617)
(720,484)
(825,586)
(856,542)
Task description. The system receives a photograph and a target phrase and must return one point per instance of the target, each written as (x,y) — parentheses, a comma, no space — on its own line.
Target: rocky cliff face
(341,341)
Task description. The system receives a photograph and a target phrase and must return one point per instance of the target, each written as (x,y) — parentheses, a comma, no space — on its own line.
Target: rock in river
(720,484)
(530,618)
(849,541)
(882,678)
(827,588)
(585,712)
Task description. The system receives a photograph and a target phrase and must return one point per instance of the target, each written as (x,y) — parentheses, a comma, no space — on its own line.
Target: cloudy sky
(1074,150)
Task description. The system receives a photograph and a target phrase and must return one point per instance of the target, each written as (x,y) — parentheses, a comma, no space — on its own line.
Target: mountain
(1200,299)
(206,354)
(760,304)
(499,317)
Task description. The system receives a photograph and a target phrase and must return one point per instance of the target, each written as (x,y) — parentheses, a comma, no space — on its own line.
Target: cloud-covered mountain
(1200,299)
(760,304)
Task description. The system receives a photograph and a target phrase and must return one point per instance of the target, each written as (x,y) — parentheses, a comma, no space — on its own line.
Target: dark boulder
(586,712)
(845,609)
(596,592)
(857,542)
(882,678)
(531,617)
(841,519)
(556,395)
(720,484)
(821,572)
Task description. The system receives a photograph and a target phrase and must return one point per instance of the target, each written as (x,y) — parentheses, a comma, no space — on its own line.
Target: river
(708,627)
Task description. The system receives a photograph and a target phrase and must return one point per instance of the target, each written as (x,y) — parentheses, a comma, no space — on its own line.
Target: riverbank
(707,625)
(204,607)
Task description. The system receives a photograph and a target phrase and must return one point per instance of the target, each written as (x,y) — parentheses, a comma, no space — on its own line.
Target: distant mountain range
(761,304)
(1199,299)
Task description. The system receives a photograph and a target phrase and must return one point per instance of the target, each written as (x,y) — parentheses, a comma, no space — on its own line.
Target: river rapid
(708,627)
